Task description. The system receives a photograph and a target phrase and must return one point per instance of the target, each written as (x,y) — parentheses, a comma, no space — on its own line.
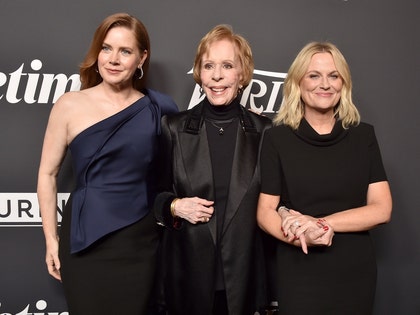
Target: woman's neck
(222,112)
(322,123)
(119,97)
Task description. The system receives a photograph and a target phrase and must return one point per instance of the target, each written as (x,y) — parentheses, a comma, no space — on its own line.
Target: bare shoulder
(70,101)
(71,114)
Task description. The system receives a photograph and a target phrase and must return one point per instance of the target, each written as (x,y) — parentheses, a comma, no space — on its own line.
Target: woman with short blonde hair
(292,106)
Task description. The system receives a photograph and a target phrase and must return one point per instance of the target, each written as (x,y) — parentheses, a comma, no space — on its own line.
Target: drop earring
(141,73)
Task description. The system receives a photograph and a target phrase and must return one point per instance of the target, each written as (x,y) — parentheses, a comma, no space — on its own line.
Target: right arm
(194,209)
(267,217)
(169,208)
(53,152)
(270,221)
(310,232)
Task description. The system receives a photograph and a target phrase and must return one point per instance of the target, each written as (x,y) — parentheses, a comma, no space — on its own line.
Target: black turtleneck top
(222,147)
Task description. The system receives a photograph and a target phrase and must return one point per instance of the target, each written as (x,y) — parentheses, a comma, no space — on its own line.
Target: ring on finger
(296,223)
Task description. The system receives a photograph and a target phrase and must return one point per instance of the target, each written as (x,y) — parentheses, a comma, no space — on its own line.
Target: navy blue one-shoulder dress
(109,238)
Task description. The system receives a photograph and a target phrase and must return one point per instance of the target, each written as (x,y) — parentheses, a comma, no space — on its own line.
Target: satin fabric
(189,251)
(114,165)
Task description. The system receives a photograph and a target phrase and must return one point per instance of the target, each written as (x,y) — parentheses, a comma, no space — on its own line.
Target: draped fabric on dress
(113,162)
(108,237)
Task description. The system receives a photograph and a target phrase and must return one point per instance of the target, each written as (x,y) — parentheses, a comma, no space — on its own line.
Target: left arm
(377,211)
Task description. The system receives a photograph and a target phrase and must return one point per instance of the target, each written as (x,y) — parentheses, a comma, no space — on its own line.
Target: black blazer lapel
(243,168)
(197,163)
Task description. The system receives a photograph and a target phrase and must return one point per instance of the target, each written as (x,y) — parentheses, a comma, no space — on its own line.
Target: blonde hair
(292,107)
(221,32)
(89,75)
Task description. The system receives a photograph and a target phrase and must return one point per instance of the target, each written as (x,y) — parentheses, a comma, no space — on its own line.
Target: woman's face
(321,85)
(221,73)
(119,57)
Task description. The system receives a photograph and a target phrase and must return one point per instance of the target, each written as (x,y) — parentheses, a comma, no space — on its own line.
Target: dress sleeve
(377,170)
(270,163)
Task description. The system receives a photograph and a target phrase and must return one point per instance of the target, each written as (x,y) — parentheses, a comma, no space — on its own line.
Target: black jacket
(188,250)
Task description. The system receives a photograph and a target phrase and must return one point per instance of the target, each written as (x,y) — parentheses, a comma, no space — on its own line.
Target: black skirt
(115,275)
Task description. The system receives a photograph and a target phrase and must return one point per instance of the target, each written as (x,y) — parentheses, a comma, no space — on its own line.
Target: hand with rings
(290,226)
(309,231)
(300,237)
(290,222)
(302,228)
(194,210)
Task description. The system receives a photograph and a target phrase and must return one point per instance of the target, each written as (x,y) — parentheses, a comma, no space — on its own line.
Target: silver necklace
(221,129)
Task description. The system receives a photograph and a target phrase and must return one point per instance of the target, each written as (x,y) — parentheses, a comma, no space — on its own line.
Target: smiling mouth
(218,90)
(325,94)
(113,70)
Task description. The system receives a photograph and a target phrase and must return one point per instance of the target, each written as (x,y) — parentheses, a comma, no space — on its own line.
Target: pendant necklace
(221,129)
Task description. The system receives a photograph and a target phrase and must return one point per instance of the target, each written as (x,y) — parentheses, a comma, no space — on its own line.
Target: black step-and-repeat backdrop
(42,43)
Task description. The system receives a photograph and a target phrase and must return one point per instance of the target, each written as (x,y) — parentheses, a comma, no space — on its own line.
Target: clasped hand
(194,209)
(309,231)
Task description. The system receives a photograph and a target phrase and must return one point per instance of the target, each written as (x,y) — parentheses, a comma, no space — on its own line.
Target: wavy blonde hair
(218,33)
(292,107)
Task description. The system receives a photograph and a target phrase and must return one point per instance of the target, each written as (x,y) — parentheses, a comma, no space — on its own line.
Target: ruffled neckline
(309,135)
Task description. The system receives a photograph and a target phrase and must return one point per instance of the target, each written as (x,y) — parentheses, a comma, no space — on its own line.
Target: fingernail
(326,228)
